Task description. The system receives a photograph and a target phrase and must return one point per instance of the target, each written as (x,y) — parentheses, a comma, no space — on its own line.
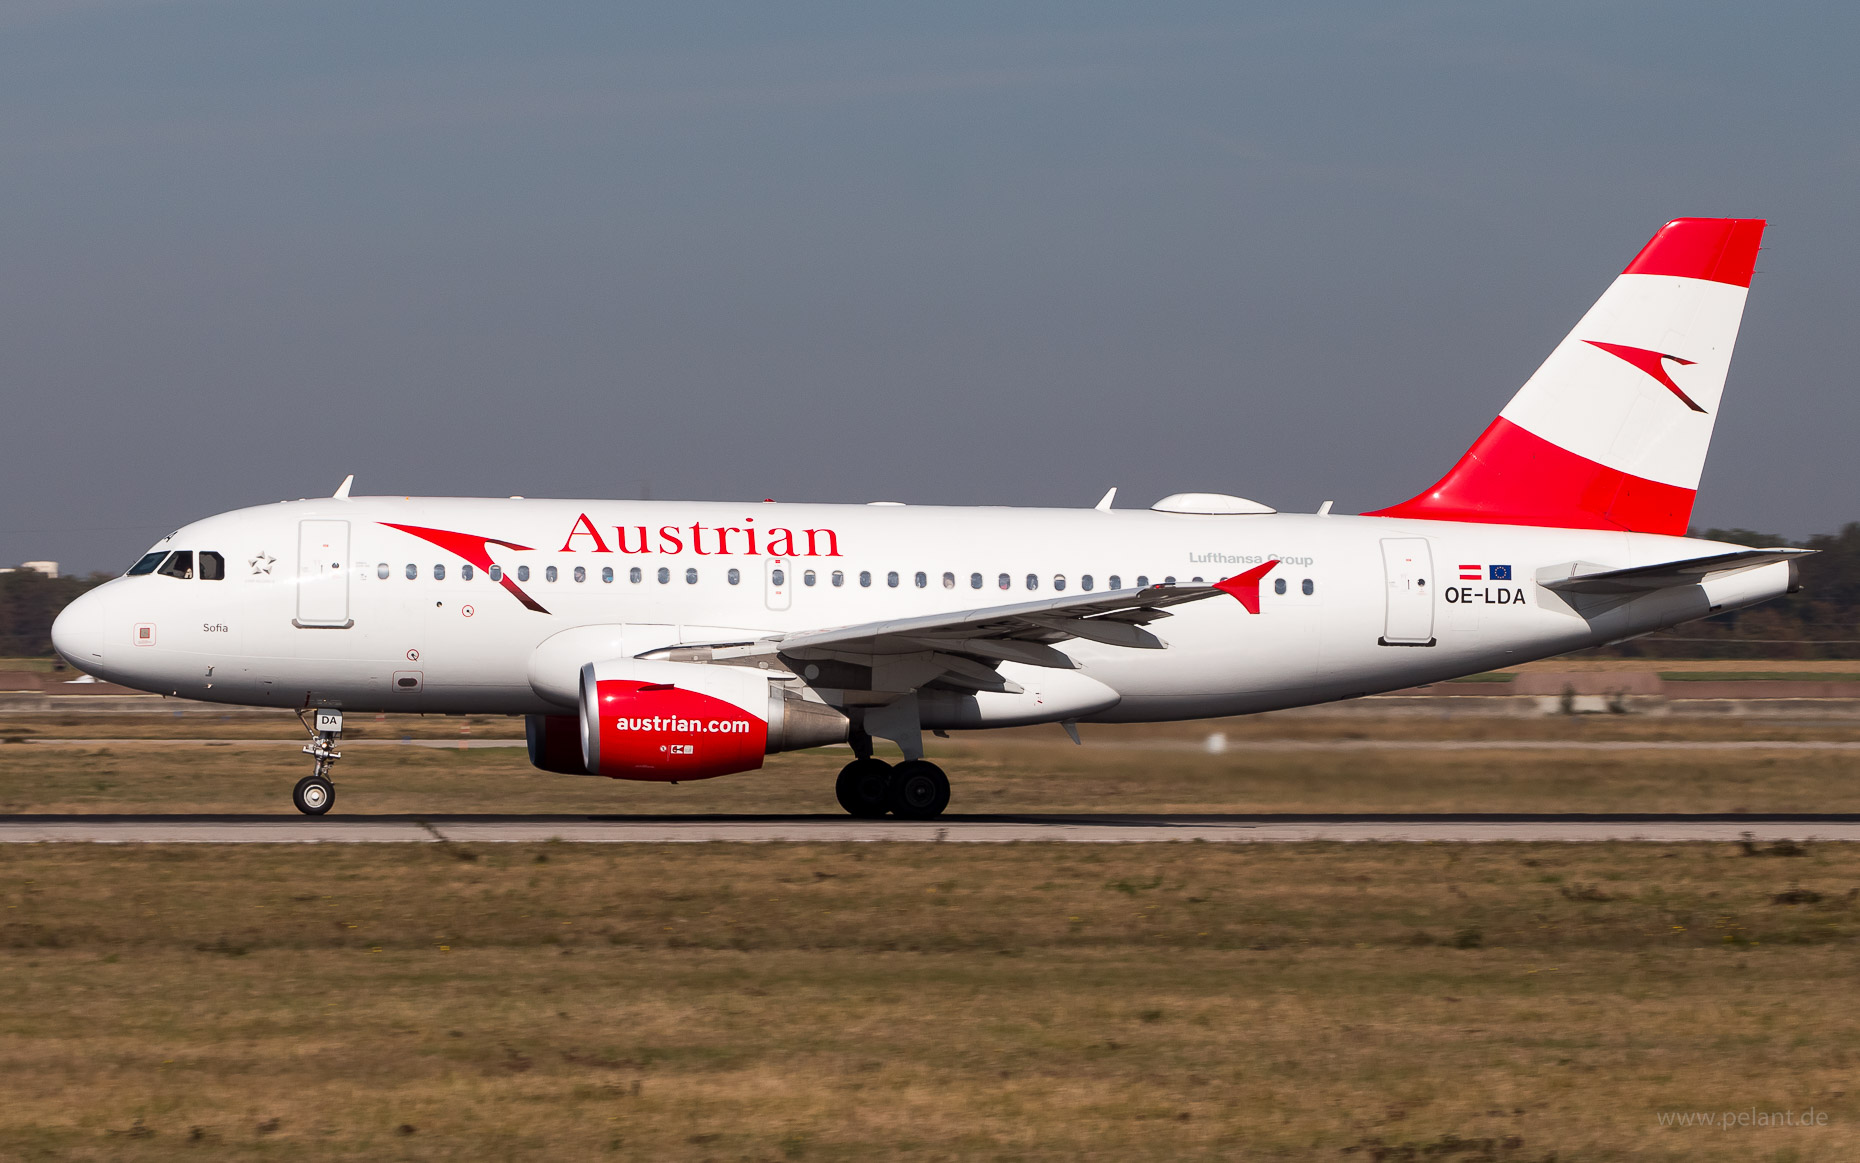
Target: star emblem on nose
(262,563)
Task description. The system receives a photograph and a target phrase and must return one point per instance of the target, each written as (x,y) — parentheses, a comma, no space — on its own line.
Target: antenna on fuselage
(1104,504)
(342,490)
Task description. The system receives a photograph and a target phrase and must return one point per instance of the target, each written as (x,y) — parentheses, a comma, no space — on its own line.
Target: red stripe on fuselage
(1511,476)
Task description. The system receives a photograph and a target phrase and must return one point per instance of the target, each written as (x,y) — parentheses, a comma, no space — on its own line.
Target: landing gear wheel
(919,790)
(864,788)
(313,795)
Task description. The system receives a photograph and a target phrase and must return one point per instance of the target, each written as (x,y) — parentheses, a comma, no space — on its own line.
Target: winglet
(1104,505)
(342,490)
(1245,586)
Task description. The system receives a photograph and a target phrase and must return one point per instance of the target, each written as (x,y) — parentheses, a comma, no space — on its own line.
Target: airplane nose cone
(77,633)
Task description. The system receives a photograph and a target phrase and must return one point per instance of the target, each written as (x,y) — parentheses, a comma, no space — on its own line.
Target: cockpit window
(212,566)
(147,564)
(180,564)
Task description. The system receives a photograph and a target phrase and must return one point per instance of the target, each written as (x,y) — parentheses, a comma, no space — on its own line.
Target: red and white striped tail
(1611,431)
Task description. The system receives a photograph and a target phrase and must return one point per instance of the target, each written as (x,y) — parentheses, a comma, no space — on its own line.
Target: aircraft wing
(961,649)
(1583,578)
(1115,618)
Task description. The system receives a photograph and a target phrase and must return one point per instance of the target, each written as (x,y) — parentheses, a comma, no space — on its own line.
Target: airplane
(649,640)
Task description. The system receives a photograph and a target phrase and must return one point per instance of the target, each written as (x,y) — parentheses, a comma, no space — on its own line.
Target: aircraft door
(1408,571)
(779,590)
(323,575)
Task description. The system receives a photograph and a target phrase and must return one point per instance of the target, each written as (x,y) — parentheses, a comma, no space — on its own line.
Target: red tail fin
(1611,432)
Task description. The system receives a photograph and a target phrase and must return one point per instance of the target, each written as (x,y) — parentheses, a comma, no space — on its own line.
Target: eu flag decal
(1500,573)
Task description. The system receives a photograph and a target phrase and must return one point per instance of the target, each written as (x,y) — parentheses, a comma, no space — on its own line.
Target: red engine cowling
(653,720)
(643,719)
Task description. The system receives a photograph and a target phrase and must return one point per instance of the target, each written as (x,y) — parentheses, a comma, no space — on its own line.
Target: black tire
(919,790)
(864,788)
(313,795)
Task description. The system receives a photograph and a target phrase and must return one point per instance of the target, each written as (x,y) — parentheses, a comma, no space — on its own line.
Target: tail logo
(1649,362)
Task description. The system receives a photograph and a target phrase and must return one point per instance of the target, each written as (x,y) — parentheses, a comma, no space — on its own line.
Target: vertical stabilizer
(1611,432)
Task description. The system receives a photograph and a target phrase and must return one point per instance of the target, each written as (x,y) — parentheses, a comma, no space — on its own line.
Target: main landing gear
(870,788)
(315,793)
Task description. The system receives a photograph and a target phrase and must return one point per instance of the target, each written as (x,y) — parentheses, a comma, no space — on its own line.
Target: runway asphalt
(1101,829)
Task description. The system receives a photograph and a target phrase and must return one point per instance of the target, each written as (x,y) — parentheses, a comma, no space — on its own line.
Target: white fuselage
(378,628)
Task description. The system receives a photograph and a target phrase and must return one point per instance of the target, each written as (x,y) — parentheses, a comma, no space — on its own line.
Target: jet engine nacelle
(651,720)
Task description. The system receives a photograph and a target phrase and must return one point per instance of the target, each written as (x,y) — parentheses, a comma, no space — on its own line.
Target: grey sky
(934,253)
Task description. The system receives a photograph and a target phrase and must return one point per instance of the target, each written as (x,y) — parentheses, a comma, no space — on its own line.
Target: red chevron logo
(475,550)
(1649,362)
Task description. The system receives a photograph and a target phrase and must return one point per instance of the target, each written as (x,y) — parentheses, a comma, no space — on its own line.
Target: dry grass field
(106,763)
(773,1002)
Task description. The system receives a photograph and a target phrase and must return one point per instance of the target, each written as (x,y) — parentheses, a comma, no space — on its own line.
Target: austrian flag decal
(1485,573)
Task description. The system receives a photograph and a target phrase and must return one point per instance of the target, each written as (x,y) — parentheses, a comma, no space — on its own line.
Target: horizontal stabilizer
(1582,578)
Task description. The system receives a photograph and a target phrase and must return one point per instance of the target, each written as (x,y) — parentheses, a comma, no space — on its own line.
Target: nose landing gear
(315,793)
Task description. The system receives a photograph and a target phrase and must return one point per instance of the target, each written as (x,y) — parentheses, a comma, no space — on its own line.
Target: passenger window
(147,564)
(779,577)
(549,574)
(1196,580)
(497,573)
(839,577)
(581,573)
(212,566)
(1143,581)
(665,576)
(439,573)
(1278,586)
(691,577)
(413,571)
(607,574)
(1059,581)
(734,577)
(921,579)
(807,579)
(1033,581)
(634,575)
(949,581)
(382,571)
(891,579)
(465,572)
(865,577)
(1006,581)
(1115,582)
(179,564)
(1085,581)
(1169,581)
(523,573)
(975,581)
(1307,587)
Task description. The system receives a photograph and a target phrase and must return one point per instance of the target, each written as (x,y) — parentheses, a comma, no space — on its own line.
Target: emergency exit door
(322,579)
(1408,571)
(779,590)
